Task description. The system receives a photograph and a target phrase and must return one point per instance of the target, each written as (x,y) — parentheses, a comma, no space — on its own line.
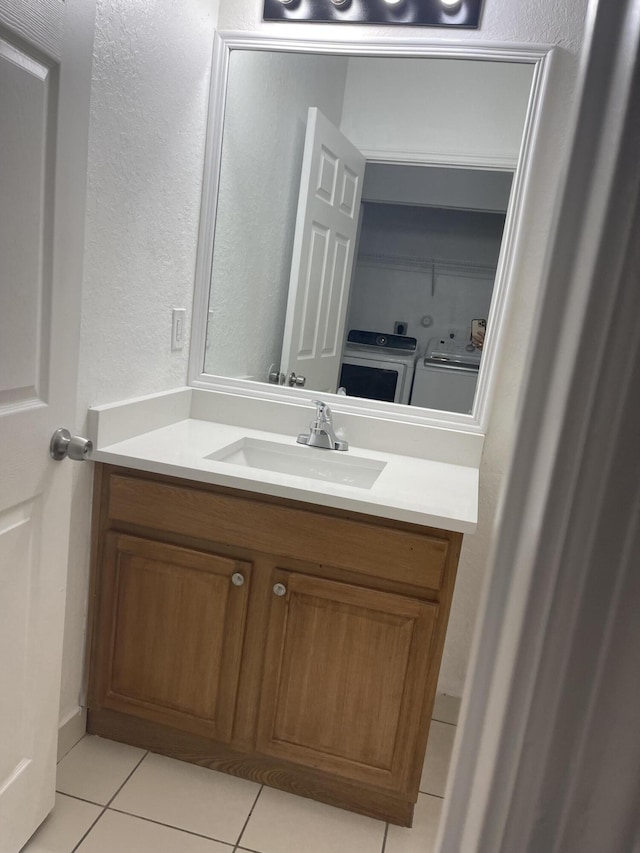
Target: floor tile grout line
(233,847)
(81,799)
(89,830)
(384,840)
(429,794)
(104,808)
(127,779)
(239,839)
(62,758)
(229,844)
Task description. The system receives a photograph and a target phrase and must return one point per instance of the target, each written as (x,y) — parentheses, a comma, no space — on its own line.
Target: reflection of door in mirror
(323,254)
(429,250)
(459,122)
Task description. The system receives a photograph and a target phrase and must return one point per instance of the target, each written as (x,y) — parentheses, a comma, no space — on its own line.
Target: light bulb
(393,2)
(340,2)
(450,5)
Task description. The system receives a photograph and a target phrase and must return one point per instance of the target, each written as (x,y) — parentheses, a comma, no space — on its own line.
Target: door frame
(548,746)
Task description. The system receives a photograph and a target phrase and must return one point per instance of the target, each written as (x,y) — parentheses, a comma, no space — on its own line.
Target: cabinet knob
(279,589)
(237,579)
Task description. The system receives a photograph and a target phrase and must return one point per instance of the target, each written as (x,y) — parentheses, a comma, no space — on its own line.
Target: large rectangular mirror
(360,217)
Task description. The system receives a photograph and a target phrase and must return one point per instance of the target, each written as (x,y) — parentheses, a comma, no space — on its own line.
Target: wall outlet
(178,330)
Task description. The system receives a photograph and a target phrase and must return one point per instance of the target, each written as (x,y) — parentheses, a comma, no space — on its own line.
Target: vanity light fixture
(423,13)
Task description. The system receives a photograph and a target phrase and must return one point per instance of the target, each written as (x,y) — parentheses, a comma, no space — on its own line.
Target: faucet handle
(321,432)
(323,412)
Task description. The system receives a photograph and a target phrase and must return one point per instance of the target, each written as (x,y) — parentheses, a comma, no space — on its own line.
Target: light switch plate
(178,328)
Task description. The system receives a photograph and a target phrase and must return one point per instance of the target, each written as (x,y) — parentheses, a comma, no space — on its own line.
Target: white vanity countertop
(417,490)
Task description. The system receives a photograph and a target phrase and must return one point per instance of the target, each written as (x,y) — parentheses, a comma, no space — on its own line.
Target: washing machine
(446,378)
(378,366)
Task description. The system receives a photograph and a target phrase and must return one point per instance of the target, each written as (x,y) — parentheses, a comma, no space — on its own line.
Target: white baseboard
(71,730)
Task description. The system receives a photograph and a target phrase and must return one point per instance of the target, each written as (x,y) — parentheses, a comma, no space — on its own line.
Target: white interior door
(323,254)
(45,78)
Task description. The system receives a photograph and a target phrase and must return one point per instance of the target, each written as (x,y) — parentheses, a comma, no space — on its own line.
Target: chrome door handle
(237,579)
(74,446)
(296,381)
(279,589)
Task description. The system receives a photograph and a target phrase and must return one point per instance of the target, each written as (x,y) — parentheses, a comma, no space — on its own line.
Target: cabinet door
(345,674)
(171,633)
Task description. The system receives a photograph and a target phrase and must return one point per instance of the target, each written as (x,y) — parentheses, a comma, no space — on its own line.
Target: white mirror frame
(225,42)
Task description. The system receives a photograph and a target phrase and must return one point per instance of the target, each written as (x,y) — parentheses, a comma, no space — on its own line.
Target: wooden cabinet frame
(360,627)
(180,665)
(334,649)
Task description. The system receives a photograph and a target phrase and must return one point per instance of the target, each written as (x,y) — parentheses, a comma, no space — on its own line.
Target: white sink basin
(299,461)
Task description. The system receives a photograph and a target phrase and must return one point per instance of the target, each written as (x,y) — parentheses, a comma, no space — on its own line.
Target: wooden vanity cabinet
(291,644)
(172,631)
(345,674)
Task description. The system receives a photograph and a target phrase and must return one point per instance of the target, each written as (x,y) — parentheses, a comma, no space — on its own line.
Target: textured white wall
(268,97)
(149,95)
(557,22)
(445,108)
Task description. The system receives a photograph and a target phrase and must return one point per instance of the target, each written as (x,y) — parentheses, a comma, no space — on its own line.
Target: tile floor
(114,798)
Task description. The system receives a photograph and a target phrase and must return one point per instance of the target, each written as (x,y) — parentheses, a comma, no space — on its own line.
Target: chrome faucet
(321,432)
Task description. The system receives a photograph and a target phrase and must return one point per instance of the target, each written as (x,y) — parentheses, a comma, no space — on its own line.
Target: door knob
(296,381)
(279,589)
(237,579)
(74,446)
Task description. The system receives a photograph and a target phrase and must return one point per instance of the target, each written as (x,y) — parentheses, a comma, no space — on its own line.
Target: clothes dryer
(378,366)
